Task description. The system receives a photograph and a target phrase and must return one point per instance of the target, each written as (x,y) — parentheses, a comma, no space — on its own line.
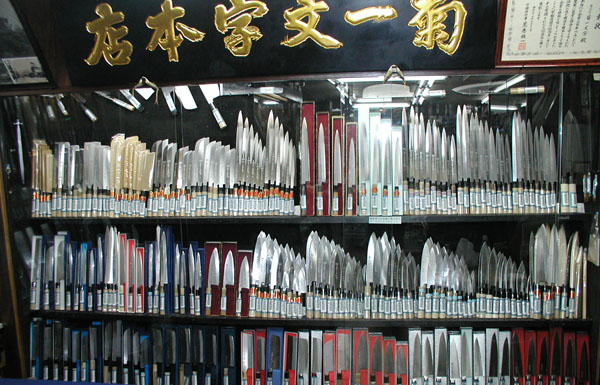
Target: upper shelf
(299,220)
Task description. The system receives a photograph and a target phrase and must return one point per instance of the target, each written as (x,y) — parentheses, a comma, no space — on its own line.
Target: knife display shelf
(582,324)
(295,220)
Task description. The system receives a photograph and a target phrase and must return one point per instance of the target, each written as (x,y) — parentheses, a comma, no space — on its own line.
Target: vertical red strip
(308,113)
(337,124)
(323,119)
(350,135)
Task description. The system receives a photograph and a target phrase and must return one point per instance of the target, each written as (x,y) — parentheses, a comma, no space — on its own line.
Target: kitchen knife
(247,357)
(479,357)
(492,355)
(303,357)
(157,356)
(170,356)
(428,357)
(455,375)
(505,338)
(291,357)
(275,355)
(441,355)
(415,356)
(228,280)
(213,280)
(389,361)
(337,174)
(344,355)
(316,357)
(329,358)
(184,354)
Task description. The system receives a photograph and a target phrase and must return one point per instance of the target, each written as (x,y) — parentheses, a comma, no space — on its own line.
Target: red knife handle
(250,376)
(215,305)
(345,377)
(292,375)
(364,377)
(379,378)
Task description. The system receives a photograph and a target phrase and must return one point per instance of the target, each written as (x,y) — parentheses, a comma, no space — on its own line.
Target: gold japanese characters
(235,20)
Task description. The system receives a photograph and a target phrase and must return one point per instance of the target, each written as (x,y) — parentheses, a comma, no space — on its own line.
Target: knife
(402,362)
(93,353)
(415,356)
(247,358)
(441,356)
(229,356)
(583,359)
(243,283)
(454,363)
(75,356)
(85,355)
(428,357)
(531,357)
(386,204)
(170,355)
(316,357)
(228,280)
(492,355)
(184,354)
(351,178)
(376,177)
(505,338)
(479,357)
(329,371)
(57,341)
(389,361)
(198,354)
(127,355)
(321,170)
(303,357)
(157,356)
(344,356)
(337,174)
(37,245)
(543,356)
(213,279)
(212,354)
(363,162)
(376,359)
(117,351)
(291,357)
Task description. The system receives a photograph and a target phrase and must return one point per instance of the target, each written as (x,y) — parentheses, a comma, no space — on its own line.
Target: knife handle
(223,307)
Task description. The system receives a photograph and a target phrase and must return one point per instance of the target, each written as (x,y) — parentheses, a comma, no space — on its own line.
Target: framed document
(548,33)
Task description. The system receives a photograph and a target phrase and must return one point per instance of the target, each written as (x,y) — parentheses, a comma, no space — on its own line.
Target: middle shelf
(583,324)
(299,220)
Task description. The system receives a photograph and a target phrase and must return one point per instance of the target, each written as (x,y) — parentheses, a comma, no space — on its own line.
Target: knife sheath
(308,114)
(231,298)
(245,302)
(583,358)
(215,300)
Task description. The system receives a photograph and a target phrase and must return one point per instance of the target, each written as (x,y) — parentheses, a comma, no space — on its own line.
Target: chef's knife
(170,356)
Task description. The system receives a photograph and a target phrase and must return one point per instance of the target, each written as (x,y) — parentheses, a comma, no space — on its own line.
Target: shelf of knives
(149,318)
(294,220)
(124,353)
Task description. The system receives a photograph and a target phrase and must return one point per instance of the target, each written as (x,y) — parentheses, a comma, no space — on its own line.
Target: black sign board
(356,43)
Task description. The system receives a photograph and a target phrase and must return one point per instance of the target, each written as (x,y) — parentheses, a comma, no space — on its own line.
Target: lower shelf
(477,323)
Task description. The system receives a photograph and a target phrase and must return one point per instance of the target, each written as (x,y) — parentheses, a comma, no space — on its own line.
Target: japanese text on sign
(168,33)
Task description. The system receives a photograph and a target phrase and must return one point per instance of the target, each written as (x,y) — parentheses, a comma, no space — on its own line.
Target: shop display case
(335,225)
